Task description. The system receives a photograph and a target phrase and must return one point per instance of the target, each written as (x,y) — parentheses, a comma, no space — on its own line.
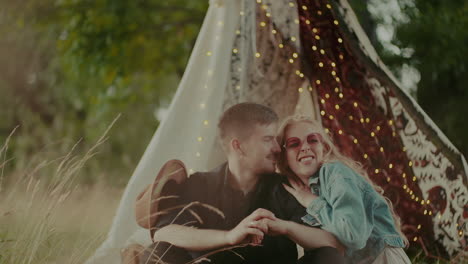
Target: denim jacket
(350,208)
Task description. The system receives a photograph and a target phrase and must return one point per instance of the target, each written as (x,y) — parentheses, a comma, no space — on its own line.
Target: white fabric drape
(188,132)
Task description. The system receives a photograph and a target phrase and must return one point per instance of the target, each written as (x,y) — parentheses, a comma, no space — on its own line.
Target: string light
(300,89)
(205,122)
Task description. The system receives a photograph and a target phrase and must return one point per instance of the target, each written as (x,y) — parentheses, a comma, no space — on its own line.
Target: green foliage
(437,31)
(70,67)
(433,39)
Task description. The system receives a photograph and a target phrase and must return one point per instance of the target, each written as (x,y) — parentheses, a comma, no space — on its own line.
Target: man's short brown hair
(239,120)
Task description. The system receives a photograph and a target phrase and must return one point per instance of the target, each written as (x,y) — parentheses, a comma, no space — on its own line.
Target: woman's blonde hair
(330,154)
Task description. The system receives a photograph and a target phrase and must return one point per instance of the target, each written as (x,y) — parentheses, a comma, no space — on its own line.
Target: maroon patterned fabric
(359,126)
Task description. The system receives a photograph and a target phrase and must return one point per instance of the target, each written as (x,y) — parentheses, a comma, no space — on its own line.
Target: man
(238,189)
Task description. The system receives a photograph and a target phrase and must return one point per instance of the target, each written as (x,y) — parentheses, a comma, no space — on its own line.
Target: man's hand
(251,229)
(300,191)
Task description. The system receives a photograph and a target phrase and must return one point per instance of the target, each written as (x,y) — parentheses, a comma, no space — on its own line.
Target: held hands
(250,230)
(255,226)
(300,191)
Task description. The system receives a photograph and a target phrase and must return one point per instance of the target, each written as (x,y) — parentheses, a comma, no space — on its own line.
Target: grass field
(54,219)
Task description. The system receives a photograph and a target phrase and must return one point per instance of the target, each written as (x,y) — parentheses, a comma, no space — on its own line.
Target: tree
(433,39)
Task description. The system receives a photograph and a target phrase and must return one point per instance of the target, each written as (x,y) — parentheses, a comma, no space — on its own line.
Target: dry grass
(45,217)
(37,227)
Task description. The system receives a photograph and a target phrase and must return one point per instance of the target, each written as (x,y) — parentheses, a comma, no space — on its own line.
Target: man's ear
(236,146)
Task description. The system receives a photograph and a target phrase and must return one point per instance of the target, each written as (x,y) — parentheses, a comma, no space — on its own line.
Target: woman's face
(304,149)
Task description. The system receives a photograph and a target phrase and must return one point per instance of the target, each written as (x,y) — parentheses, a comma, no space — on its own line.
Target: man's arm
(249,230)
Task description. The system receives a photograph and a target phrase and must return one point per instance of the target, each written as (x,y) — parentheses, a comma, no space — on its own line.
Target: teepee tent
(310,57)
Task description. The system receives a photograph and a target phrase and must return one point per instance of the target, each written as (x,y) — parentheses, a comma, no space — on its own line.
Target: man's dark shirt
(212,189)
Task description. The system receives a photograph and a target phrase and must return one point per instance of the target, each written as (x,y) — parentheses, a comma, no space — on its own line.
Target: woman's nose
(305,147)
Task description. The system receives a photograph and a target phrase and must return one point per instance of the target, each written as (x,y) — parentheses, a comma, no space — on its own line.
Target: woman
(337,194)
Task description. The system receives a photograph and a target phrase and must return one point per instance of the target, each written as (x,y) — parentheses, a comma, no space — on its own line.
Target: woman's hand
(300,191)
(276,227)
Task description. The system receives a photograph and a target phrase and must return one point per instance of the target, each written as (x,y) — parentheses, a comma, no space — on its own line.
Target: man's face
(260,149)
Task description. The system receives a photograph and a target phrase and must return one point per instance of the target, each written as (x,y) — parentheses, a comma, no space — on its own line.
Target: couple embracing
(322,201)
